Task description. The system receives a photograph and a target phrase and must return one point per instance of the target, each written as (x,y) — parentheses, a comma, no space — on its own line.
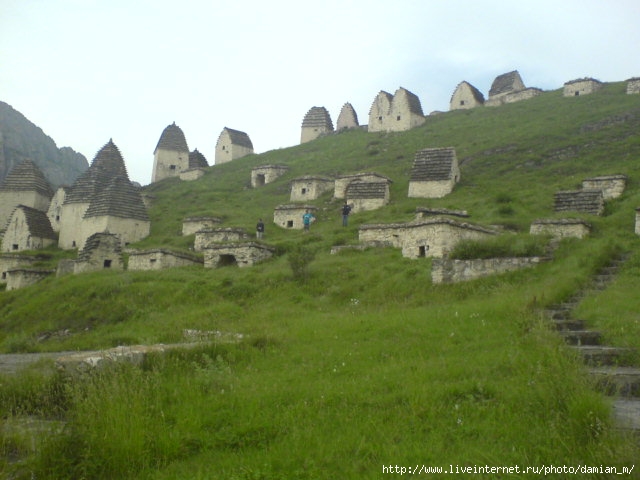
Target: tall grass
(365,362)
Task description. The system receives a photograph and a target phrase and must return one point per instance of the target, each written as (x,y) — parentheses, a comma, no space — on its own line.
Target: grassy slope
(367,363)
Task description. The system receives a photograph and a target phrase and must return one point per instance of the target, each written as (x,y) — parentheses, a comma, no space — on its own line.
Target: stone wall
(192,174)
(431,189)
(192,225)
(19,235)
(129,230)
(159,258)
(169,163)
(434,237)
(206,238)
(309,188)
(465,96)
(612,186)
(71,235)
(236,254)
(13,262)
(9,200)
(580,87)
(451,271)
(341,182)
(560,228)
(637,229)
(290,216)
(20,278)
(513,97)
(54,211)
(633,86)
(266,174)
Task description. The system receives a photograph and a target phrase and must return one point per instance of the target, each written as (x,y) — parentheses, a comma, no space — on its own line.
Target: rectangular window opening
(107,264)
(14,246)
(289,223)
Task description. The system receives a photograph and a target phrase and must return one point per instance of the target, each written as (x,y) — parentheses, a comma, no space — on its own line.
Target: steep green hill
(363,362)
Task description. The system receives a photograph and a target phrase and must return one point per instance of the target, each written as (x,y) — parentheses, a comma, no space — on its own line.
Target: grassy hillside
(363,362)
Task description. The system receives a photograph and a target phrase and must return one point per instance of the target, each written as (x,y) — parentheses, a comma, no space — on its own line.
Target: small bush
(299,259)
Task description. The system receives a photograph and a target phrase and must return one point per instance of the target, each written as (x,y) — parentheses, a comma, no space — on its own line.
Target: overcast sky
(86,71)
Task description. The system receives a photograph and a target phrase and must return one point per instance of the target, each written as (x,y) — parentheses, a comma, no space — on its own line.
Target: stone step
(626,413)
(581,337)
(617,381)
(568,324)
(598,355)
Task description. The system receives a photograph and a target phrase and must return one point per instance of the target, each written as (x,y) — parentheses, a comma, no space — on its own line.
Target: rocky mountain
(21,139)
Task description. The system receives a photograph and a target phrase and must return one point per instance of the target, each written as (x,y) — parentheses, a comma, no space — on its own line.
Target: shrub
(299,259)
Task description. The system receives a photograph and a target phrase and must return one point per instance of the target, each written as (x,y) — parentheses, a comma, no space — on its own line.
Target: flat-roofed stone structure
(24,185)
(397,113)
(101,251)
(432,237)
(444,270)
(24,277)
(14,262)
(316,122)
(363,196)
(581,86)
(232,145)
(160,258)
(560,228)
(612,186)
(264,174)
(310,187)
(466,96)
(27,229)
(290,216)
(633,86)
(434,173)
(211,236)
(171,155)
(341,182)
(192,225)
(347,118)
(244,254)
(584,201)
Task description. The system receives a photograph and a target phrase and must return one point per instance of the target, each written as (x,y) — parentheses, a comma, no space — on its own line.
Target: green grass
(355,360)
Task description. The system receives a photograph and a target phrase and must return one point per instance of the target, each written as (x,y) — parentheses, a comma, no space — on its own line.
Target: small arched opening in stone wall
(227,260)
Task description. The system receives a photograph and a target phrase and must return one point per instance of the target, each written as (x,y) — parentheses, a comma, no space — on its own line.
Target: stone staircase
(608,365)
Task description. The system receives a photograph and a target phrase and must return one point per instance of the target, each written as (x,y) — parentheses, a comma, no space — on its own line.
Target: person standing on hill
(307,218)
(346,210)
(259,229)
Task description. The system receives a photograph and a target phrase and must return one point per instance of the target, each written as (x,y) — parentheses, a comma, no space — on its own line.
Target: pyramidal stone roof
(367,190)
(173,139)
(107,164)
(477,94)
(118,199)
(95,241)
(26,176)
(505,83)
(413,101)
(318,117)
(586,201)
(238,138)
(382,96)
(433,164)
(37,222)
(347,117)
(197,160)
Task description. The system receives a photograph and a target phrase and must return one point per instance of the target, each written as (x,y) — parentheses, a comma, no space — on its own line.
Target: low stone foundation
(560,228)
(240,254)
(452,271)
